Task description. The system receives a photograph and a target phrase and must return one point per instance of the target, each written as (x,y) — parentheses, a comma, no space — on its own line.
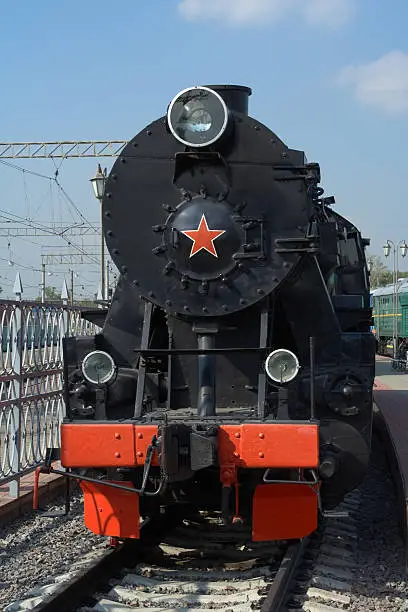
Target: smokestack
(234,96)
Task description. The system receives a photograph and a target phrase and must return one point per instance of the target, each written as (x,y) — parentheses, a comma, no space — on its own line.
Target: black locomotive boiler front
(242,313)
(205,222)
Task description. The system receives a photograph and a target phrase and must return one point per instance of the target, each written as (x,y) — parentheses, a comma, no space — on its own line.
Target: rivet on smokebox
(261,455)
(261,435)
(140,436)
(237,435)
(139,454)
(117,455)
(117,436)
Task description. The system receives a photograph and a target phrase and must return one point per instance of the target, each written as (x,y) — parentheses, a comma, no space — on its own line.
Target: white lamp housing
(98,368)
(282,366)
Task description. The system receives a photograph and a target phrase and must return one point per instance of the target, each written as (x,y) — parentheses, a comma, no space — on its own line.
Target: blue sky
(328,76)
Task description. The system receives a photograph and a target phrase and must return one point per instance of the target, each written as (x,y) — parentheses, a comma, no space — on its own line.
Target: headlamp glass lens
(98,367)
(197,117)
(199,121)
(282,366)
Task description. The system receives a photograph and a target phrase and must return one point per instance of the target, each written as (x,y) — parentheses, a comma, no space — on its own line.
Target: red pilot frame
(281,509)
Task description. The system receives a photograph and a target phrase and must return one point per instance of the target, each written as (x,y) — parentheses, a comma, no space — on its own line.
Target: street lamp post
(98,184)
(387,250)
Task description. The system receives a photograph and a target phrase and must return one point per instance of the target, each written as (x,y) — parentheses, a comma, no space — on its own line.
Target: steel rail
(80,589)
(280,588)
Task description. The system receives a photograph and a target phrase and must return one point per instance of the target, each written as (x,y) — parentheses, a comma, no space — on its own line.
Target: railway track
(197,564)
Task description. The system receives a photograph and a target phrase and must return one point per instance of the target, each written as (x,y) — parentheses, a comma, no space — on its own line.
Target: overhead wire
(11,281)
(44,228)
(16,167)
(42,199)
(25,239)
(26,198)
(10,217)
(75,206)
(20,264)
(54,179)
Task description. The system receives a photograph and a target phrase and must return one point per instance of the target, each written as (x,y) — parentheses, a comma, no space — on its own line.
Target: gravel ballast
(33,549)
(381,582)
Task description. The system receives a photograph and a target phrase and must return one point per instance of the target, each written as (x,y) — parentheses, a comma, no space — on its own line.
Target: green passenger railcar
(383,315)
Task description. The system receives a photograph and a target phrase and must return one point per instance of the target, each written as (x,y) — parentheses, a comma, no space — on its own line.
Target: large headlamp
(282,366)
(197,116)
(98,368)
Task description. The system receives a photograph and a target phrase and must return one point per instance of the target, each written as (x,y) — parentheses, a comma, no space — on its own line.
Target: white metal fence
(31,396)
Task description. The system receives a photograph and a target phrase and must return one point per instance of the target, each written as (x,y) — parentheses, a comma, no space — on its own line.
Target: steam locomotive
(235,365)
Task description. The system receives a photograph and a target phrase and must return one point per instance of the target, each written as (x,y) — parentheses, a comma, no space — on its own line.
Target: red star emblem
(203,238)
